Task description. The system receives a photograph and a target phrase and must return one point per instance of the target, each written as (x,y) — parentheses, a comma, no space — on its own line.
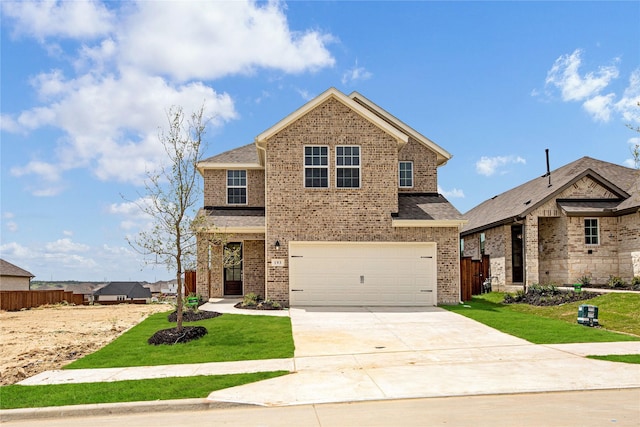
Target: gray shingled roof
(133,290)
(247,154)
(426,206)
(520,200)
(222,218)
(8,269)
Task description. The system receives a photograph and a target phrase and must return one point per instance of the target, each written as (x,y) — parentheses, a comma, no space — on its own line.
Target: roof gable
(519,201)
(443,155)
(332,93)
(8,269)
(245,157)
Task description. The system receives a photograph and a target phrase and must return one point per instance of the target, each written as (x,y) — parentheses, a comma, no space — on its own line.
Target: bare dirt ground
(49,337)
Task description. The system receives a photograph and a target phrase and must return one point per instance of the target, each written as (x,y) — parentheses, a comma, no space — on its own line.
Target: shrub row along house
(581,220)
(336,204)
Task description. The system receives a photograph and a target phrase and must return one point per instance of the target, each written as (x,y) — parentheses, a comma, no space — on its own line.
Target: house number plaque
(277,262)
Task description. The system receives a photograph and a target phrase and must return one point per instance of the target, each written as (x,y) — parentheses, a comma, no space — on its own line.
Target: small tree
(171,194)
(635,148)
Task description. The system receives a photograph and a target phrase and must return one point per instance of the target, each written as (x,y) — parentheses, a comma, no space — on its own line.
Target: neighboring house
(14,278)
(582,219)
(336,204)
(122,292)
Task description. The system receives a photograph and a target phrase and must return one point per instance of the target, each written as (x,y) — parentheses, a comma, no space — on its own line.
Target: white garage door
(365,273)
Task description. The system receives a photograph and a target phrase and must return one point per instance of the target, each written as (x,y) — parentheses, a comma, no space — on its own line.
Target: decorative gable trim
(333,93)
(443,155)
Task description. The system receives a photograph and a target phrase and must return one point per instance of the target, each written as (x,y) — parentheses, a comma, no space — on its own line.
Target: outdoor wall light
(277,244)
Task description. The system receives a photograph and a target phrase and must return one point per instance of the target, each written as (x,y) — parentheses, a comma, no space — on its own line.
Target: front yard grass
(557,324)
(230,337)
(23,396)
(623,358)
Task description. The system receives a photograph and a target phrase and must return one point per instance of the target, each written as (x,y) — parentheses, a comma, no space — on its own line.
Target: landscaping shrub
(616,282)
(546,295)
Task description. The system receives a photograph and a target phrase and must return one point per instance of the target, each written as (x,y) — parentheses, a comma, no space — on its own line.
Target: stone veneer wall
(296,213)
(629,245)
(498,246)
(215,188)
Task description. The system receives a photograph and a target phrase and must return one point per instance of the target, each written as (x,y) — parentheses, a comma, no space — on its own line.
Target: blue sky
(85,87)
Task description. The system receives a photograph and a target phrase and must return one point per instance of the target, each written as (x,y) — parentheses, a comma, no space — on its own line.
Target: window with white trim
(591,231)
(316,166)
(405,172)
(348,166)
(237,187)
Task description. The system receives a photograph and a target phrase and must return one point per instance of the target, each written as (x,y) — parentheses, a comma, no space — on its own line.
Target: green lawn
(21,396)
(231,337)
(623,358)
(558,324)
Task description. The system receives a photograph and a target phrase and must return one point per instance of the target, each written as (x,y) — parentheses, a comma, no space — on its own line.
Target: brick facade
(215,187)
(296,213)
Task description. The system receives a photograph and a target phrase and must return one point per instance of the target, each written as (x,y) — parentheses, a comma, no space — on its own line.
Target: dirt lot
(49,337)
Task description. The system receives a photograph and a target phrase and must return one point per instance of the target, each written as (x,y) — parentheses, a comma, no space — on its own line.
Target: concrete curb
(114,409)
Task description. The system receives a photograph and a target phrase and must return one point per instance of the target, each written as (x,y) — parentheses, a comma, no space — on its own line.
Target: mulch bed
(548,298)
(260,306)
(193,316)
(173,336)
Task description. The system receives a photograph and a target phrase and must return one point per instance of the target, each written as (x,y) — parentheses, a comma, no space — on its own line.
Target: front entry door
(233,269)
(517,255)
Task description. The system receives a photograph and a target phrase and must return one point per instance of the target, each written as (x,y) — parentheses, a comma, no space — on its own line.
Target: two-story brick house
(336,204)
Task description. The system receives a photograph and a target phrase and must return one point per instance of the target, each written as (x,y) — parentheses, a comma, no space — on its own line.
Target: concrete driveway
(348,354)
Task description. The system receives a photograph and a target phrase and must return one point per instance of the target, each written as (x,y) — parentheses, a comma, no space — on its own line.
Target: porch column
(531,252)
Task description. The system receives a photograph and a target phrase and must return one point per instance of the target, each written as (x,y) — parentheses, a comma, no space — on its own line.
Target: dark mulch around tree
(263,305)
(173,336)
(193,316)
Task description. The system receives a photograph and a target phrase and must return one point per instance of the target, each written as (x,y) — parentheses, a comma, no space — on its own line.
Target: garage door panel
(362,273)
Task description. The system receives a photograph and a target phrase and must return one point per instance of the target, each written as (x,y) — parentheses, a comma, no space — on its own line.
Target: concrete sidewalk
(359,353)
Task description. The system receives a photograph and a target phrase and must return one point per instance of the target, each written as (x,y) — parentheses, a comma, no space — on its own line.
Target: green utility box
(588,315)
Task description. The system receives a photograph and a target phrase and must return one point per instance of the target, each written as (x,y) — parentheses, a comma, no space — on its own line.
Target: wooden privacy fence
(190,282)
(17,300)
(472,273)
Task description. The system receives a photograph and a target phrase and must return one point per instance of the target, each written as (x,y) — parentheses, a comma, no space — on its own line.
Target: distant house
(582,219)
(14,278)
(122,292)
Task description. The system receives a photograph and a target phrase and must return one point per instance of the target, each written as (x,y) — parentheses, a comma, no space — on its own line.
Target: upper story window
(405,170)
(237,187)
(591,231)
(316,166)
(348,166)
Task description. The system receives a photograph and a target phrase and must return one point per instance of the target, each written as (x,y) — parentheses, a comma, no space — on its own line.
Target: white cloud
(152,57)
(599,107)
(15,251)
(66,246)
(132,212)
(588,88)
(12,226)
(69,19)
(355,74)
(490,165)
(454,193)
(208,40)
(628,105)
(564,75)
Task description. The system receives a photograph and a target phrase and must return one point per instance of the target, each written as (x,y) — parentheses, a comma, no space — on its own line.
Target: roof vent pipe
(546,151)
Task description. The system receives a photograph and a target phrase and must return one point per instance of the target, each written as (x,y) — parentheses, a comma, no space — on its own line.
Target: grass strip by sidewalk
(623,358)
(230,337)
(34,396)
(548,325)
